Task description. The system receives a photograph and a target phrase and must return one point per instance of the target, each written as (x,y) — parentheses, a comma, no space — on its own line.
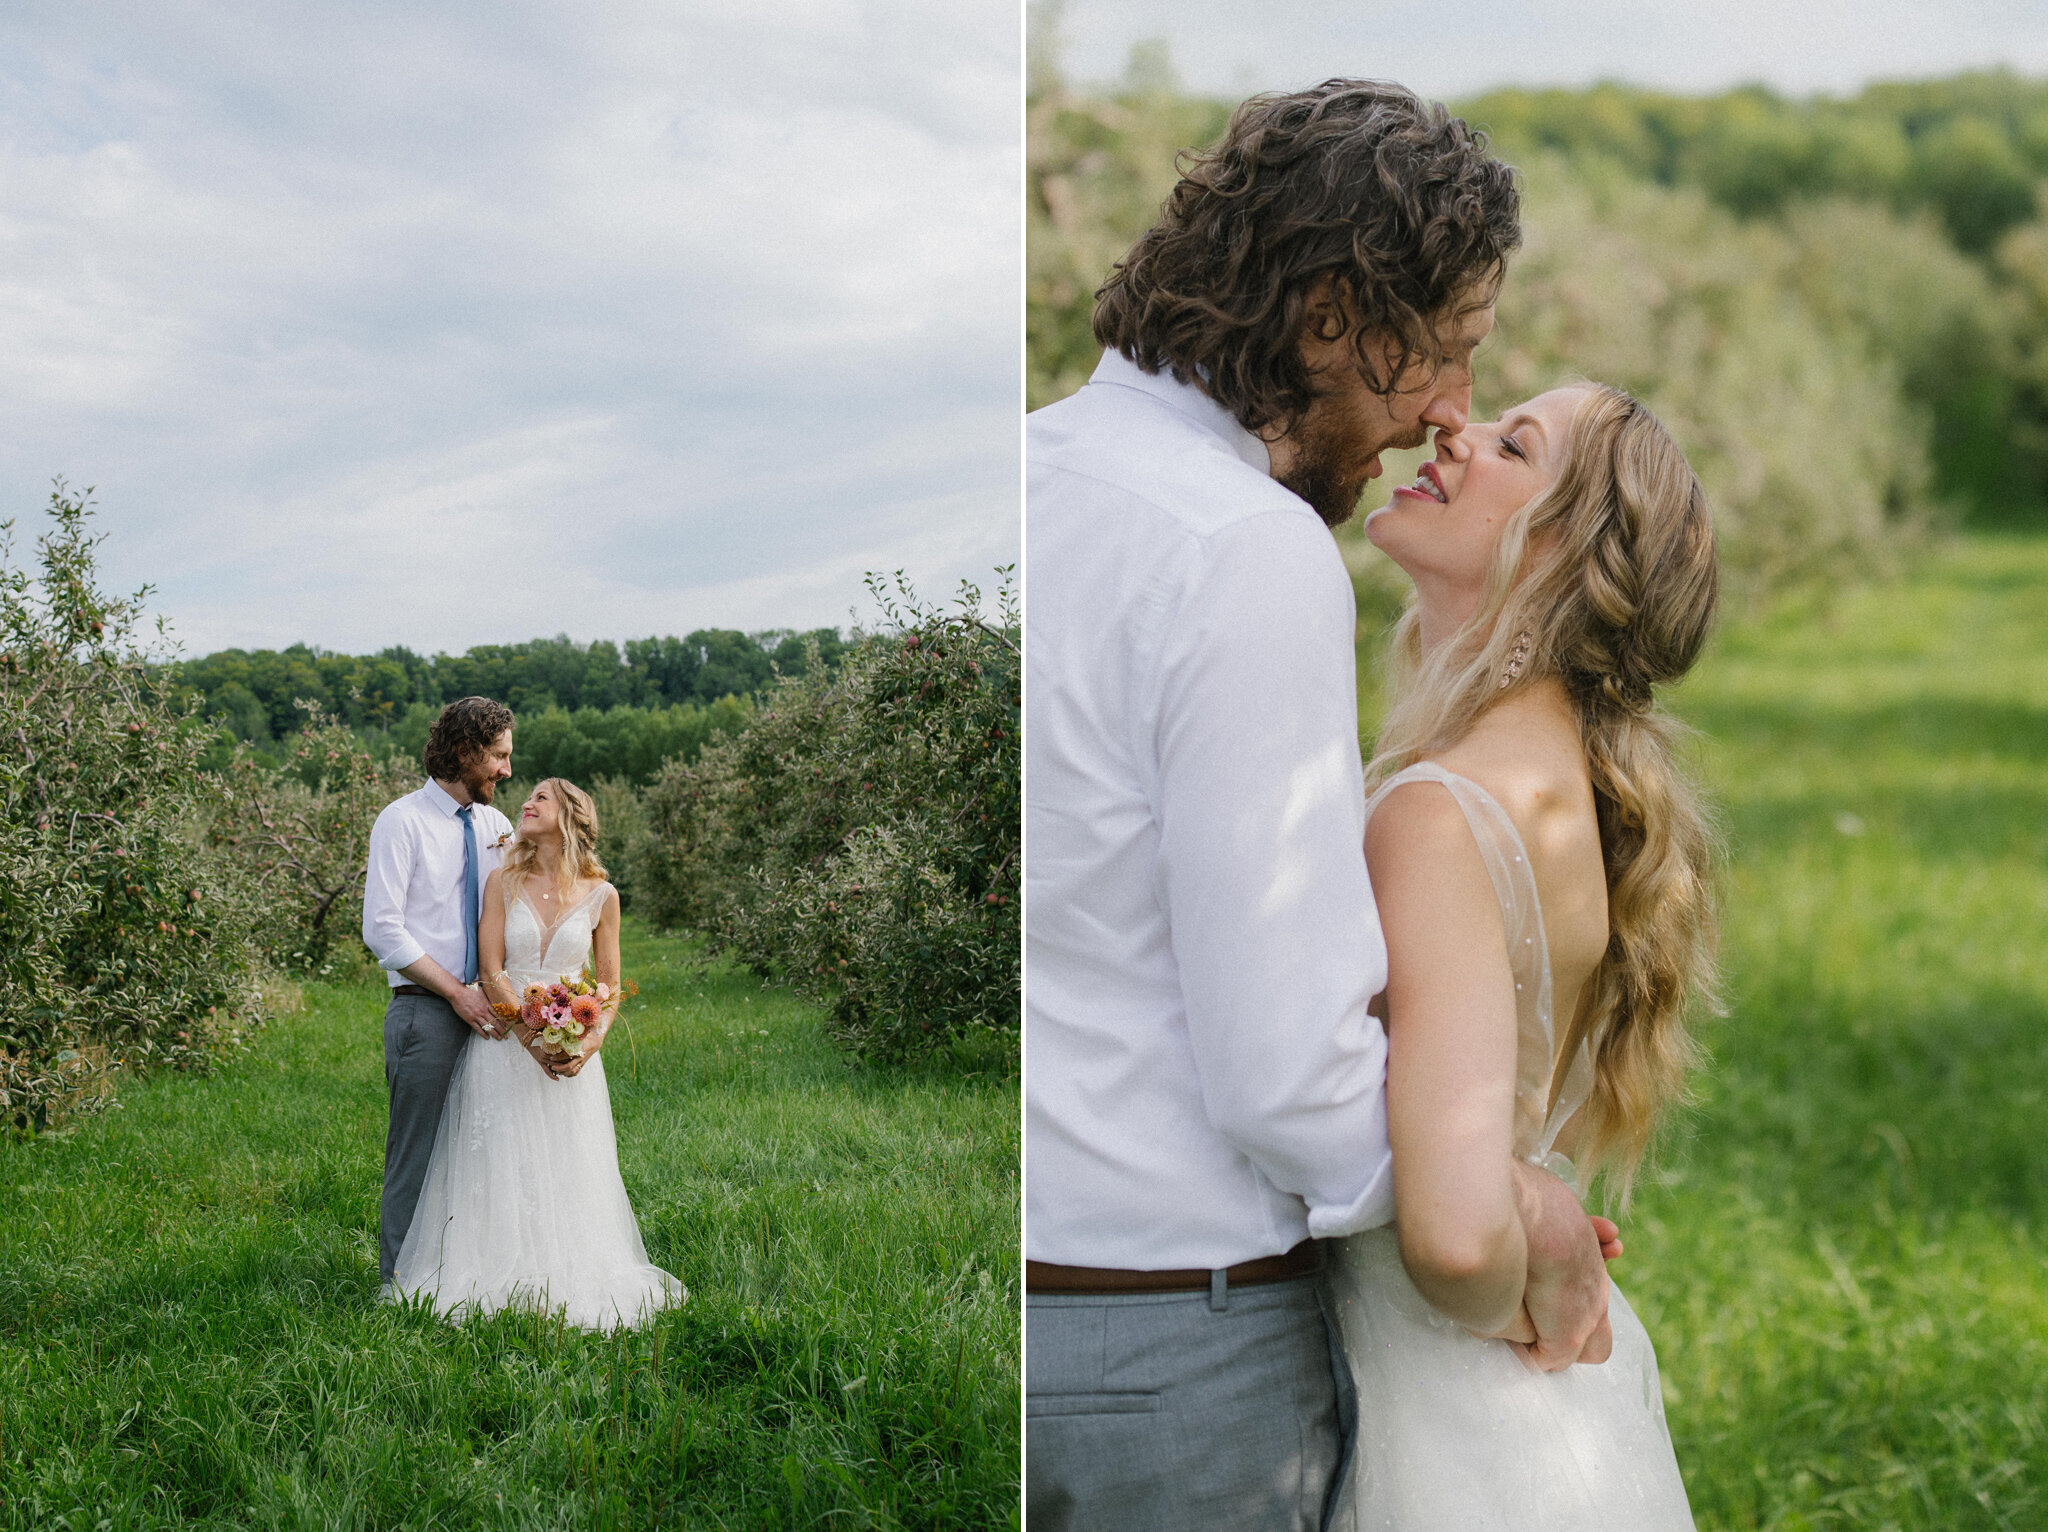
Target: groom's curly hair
(463,730)
(1392,201)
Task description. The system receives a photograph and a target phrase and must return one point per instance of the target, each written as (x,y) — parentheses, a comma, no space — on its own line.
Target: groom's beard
(481,789)
(1332,458)
(1317,478)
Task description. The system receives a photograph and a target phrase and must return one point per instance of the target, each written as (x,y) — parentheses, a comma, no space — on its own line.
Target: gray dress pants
(1165,1411)
(423,1038)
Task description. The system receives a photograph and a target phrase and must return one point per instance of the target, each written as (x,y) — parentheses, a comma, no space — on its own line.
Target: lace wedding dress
(522,1202)
(1454,1431)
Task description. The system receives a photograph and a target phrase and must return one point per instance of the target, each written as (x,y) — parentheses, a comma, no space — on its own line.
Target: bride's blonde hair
(577,818)
(1607,580)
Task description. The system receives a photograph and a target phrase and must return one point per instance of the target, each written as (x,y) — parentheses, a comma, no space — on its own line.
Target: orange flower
(584,1009)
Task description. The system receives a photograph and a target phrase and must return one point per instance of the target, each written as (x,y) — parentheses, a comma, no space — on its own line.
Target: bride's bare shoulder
(1527,755)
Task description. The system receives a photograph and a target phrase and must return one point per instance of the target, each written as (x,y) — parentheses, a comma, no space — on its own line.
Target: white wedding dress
(522,1203)
(1454,1431)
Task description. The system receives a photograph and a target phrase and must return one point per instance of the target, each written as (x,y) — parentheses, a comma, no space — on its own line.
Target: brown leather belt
(1304,1260)
(414,989)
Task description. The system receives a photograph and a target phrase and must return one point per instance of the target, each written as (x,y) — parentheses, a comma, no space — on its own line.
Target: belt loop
(1219,1291)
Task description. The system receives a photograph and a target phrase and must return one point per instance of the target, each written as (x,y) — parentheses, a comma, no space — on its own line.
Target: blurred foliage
(1813,455)
(860,837)
(302,835)
(1840,305)
(125,942)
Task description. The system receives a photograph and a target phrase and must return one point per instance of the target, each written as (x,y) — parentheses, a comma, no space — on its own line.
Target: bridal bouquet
(561,1012)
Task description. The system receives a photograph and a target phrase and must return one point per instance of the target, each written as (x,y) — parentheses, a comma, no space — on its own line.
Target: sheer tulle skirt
(1454,1431)
(523,1204)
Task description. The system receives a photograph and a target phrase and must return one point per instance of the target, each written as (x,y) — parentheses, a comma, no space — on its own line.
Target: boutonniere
(501,840)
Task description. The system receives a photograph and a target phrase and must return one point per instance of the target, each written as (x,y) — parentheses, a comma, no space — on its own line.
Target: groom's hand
(467,1001)
(475,1011)
(1566,1293)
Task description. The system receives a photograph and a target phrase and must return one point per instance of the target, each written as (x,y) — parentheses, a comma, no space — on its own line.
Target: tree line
(257,693)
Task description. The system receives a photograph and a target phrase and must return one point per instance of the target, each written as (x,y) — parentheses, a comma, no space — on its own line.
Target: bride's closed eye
(1509,444)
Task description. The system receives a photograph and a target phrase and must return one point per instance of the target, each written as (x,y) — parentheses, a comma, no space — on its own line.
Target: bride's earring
(1517,658)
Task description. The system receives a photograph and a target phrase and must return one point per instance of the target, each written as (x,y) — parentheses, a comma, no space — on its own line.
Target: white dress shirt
(1202,1082)
(412,895)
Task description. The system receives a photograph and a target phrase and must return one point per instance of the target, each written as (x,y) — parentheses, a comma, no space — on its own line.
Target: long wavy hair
(577,816)
(1358,184)
(1611,574)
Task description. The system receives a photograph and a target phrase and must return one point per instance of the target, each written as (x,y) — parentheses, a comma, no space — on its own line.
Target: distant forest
(256,693)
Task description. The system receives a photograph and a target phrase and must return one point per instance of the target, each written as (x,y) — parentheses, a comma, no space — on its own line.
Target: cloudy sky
(403,321)
(1799,46)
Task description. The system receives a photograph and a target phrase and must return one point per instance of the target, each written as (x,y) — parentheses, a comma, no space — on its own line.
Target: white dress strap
(1537,1122)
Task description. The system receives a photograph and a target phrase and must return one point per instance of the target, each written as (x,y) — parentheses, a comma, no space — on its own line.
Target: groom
(1205,1091)
(430,853)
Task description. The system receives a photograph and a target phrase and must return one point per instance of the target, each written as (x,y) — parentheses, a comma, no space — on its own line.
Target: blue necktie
(469,896)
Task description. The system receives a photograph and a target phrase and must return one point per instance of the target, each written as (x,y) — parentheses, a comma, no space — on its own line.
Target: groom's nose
(1450,407)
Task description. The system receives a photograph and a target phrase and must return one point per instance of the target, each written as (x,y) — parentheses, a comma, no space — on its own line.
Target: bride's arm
(1450,1060)
(490,947)
(604,965)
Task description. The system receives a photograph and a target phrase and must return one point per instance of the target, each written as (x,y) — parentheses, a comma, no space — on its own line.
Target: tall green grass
(188,1333)
(1843,1255)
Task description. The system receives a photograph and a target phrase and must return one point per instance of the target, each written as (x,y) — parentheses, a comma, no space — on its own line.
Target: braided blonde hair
(1607,580)
(577,818)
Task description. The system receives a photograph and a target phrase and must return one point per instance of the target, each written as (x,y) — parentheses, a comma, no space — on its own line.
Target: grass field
(1843,1258)
(187,1331)
(1845,1261)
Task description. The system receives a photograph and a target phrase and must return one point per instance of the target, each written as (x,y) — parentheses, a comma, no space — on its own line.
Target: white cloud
(690,312)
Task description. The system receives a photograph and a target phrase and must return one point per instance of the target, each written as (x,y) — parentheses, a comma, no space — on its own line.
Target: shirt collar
(1188,398)
(442,799)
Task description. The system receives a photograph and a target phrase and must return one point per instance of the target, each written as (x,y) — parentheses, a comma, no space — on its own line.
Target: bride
(522,1202)
(1536,854)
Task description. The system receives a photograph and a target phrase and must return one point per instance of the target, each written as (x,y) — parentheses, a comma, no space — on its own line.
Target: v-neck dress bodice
(523,1204)
(1454,1431)
(539,949)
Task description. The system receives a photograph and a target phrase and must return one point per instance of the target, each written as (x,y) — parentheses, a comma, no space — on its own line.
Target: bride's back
(1526,753)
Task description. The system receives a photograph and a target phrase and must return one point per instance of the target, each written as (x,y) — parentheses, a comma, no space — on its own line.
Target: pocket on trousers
(1037,1405)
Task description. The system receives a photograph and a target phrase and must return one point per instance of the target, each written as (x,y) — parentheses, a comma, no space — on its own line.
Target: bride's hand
(1520,1332)
(551,1063)
(1520,1335)
(1566,1289)
(574,1066)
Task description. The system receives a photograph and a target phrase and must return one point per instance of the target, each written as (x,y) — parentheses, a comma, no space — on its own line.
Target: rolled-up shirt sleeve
(385,885)
(1261,805)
